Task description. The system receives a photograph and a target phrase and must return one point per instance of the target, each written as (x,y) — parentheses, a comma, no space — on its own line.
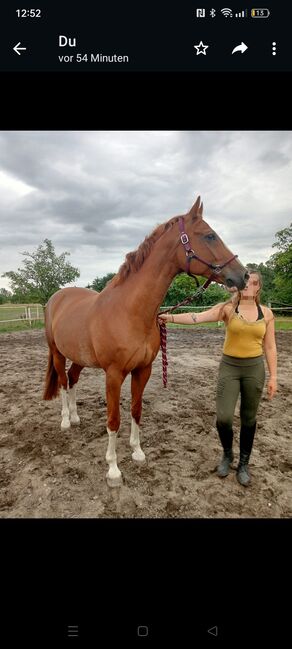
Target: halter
(190,254)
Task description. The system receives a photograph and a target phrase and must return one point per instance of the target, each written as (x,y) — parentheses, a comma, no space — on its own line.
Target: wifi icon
(227,12)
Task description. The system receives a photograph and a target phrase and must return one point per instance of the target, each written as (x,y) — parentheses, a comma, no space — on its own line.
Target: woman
(250,332)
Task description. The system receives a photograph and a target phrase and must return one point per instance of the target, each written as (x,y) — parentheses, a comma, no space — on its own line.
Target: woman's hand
(165,317)
(271,388)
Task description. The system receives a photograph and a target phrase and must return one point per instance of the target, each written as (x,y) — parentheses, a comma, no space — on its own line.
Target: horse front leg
(140,377)
(114,380)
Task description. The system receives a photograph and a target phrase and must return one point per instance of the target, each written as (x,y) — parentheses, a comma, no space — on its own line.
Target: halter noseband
(190,253)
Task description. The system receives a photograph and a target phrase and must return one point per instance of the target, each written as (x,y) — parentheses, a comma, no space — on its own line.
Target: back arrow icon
(17,48)
(213,630)
(240,48)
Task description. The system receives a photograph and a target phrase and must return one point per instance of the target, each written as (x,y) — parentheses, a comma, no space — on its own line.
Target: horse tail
(51,383)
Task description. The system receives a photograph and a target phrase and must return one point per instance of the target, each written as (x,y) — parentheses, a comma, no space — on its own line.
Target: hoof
(65,424)
(114,482)
(139,461)
(75,420)
(138,457)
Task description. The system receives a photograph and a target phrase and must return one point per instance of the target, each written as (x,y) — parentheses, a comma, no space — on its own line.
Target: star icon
(201,48)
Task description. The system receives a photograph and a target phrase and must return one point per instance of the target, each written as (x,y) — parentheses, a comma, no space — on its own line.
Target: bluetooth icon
(213,13)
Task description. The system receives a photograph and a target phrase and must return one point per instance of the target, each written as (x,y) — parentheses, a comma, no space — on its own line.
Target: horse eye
(211,236)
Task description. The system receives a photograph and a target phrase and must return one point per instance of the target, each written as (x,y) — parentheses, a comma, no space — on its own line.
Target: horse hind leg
(140,377)
(73,376)
(59,364)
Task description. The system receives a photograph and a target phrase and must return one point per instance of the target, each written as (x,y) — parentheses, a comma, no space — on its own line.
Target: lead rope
(162,326)
(163,352)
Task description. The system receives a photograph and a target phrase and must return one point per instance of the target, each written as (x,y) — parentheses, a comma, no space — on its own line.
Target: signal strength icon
(241,14)
(227,12)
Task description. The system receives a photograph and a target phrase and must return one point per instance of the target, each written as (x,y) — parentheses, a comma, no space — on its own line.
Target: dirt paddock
(46,472)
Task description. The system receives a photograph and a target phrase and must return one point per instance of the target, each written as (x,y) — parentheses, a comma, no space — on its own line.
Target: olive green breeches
(244,376)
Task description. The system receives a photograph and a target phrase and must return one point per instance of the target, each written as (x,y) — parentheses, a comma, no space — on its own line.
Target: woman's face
(252,286)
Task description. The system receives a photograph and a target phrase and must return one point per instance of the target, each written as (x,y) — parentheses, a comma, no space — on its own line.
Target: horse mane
(134,260)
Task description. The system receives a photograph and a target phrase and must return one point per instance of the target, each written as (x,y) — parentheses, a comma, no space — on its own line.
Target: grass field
(9,327)
(18,313)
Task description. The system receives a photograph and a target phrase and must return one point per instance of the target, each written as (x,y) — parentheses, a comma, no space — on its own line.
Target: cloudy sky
(97,194)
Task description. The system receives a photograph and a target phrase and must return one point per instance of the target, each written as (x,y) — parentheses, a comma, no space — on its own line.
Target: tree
(5,296)
(43,273)
(184,286)
(282,260)
(277,271)
(100,282)
(284,237)
(281,265)
(215,294)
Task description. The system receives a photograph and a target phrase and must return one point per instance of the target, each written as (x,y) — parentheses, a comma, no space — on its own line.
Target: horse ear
(200,211)
(194,211)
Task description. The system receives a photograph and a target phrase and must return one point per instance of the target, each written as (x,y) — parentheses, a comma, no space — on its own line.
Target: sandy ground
(49,473)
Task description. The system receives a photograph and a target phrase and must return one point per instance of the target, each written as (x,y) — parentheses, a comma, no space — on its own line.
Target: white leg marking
(72,405)
(114,475)
(137,455)
(65,410)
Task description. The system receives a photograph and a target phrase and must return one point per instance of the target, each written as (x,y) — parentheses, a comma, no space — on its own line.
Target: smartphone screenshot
(145,323)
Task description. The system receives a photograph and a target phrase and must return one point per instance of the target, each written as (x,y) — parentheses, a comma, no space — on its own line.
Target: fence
(34,312)
(26,313)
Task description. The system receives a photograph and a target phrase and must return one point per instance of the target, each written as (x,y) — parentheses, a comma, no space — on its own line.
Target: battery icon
(260,13)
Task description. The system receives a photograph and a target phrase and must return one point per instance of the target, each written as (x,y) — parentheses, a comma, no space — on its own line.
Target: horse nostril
(246,277)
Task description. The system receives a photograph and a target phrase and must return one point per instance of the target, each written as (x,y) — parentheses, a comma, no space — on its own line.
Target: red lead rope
(163,351)
(162,326)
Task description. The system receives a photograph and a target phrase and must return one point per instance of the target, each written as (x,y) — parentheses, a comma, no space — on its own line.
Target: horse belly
(80,352)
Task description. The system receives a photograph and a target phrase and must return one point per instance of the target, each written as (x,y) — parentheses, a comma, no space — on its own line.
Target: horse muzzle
(237,281)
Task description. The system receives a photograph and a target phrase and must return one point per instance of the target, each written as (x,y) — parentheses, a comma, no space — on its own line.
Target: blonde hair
(235,299)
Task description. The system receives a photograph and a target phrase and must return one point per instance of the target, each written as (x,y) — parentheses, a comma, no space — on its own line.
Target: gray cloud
(98,194)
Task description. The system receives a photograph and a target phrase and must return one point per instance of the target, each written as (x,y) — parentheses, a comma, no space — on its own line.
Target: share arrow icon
(240,48)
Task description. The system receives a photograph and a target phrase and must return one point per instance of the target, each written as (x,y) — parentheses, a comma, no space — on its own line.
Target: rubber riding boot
(224,467)
(242,474)
(226,437)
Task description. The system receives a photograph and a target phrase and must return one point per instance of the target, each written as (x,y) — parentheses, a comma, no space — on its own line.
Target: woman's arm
(211,315)
(270,350)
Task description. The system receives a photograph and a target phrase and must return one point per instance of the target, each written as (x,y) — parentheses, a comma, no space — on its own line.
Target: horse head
(202,252)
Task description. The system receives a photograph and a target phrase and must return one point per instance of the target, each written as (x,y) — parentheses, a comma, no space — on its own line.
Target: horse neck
(149,285)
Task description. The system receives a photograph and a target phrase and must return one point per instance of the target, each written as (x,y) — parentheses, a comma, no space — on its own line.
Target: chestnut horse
(117,329)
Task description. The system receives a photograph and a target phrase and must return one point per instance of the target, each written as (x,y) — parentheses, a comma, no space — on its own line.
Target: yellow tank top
(244,339)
